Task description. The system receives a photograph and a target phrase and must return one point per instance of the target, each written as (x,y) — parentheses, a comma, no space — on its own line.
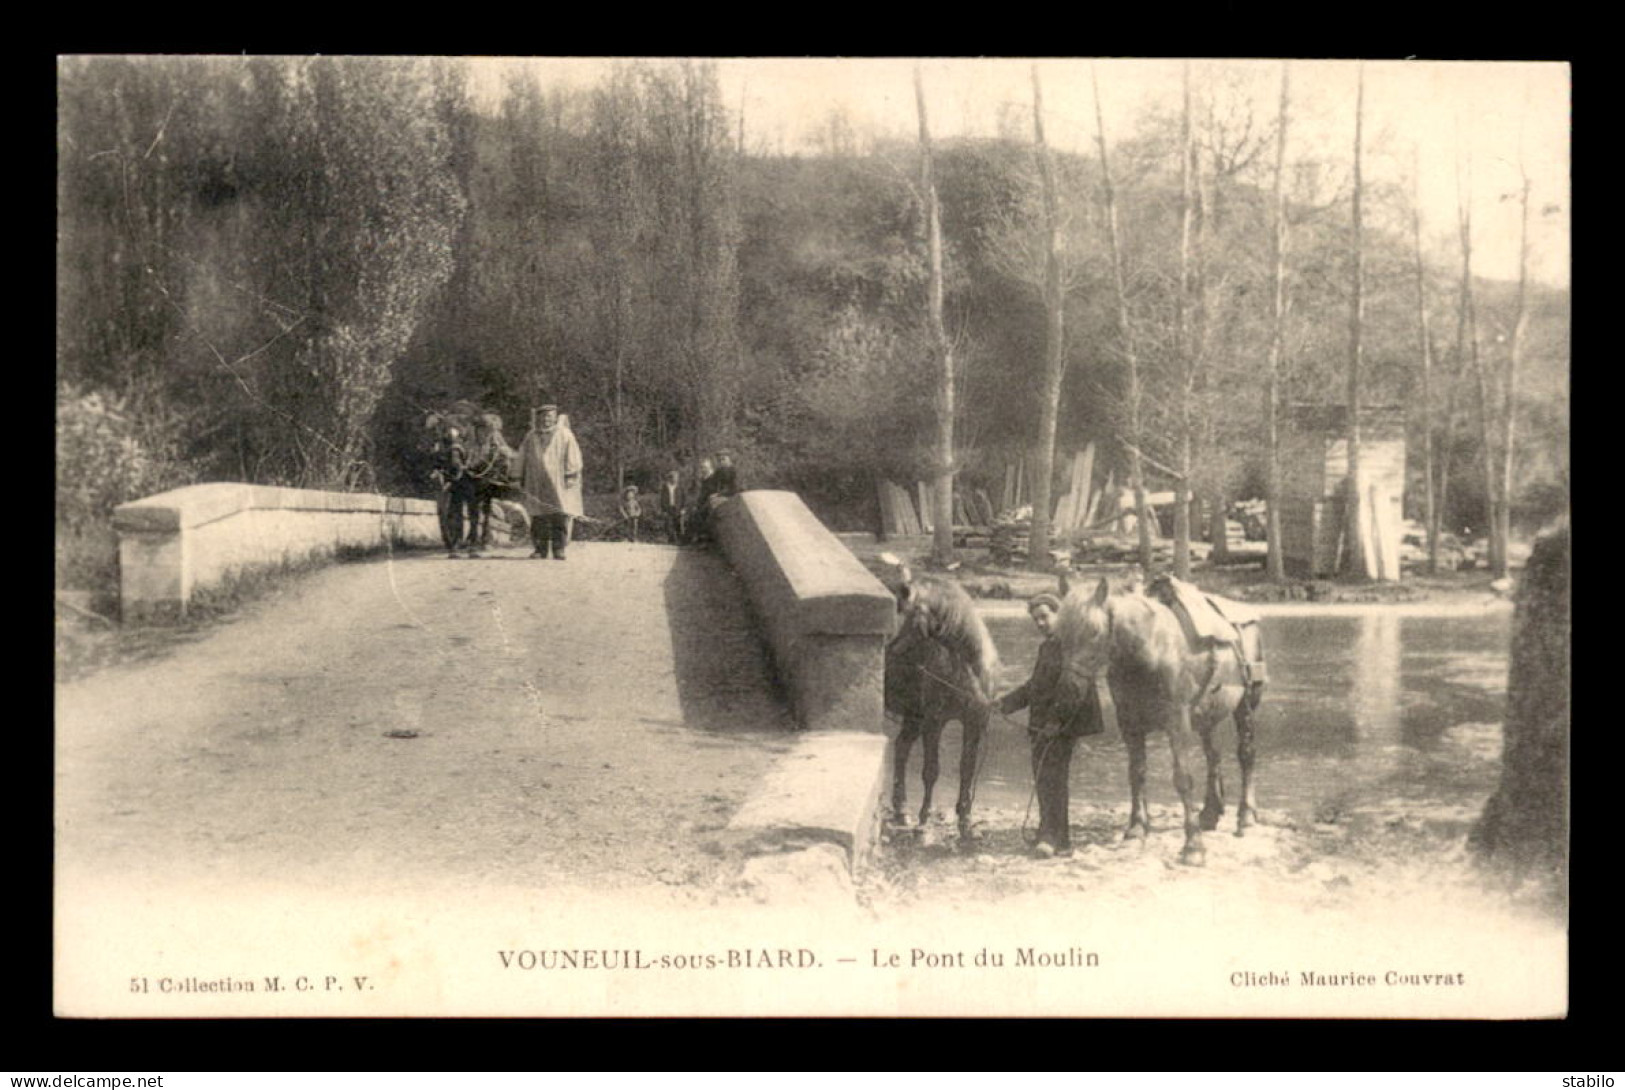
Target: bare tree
(1275,562)
(1355,508)
(941,348)
(1125,328)
(1468,338)
(1184,350)
(1466,348)
(1520,323)
(1054,340)
(1430,513)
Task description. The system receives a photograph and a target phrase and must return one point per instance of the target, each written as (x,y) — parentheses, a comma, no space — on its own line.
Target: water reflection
(1360,709)
(1373,694)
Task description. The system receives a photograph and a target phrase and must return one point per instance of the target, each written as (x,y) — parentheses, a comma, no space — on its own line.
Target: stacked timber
(1015,485)
(897,515)
(1073,506)
(1008,541)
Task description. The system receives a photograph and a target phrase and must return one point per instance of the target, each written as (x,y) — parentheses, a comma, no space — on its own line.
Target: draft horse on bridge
(940,666)
(1159,678)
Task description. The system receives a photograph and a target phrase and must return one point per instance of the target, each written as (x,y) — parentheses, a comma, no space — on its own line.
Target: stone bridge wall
(826,617)
(180,541)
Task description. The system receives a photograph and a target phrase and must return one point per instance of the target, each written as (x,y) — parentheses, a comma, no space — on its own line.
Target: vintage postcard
(806,537)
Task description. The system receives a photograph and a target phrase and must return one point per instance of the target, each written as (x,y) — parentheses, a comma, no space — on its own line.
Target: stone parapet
(177,542)
(826,618)
(824,791)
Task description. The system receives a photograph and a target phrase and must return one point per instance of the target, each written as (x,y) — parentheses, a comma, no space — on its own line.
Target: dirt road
(416,722)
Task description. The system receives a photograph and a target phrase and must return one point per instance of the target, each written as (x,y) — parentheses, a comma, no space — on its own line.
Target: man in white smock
(549,472)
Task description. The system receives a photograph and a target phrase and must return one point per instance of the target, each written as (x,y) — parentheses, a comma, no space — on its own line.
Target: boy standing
(631,511)
(1052,732)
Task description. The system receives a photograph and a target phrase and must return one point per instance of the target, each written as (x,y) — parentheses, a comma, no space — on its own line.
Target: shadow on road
(725,677)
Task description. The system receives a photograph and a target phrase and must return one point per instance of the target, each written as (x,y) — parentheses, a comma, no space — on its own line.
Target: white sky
(1435,108)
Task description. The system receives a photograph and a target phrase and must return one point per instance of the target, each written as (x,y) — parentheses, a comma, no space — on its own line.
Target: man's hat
(1045,600)
(544,408)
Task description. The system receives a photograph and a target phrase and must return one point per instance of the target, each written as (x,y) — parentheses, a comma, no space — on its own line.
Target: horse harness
(1213,635)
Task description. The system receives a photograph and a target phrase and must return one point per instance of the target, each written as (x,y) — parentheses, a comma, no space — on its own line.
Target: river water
(1374,713)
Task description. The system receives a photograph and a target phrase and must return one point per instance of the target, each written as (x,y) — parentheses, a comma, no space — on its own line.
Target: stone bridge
(638,715)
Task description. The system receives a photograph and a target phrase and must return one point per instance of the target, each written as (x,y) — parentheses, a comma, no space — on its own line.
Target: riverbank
(1417,593)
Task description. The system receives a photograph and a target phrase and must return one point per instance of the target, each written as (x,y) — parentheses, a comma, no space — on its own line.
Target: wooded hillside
(270,269)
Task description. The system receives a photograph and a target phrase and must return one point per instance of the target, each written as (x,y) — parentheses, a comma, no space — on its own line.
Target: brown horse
(940,665)
(1158,681)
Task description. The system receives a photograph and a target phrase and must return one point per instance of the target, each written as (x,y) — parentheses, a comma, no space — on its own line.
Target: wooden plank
(889,526)
(899,519)
(902,509)
(1095,498)
(928,520)
(1384,532)
(1083,470)
(909,518)
(1007,498)
(1376,507)
(1066,513)
(1061,523)
(984,508)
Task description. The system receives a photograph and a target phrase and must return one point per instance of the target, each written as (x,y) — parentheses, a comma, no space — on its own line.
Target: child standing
(631,511)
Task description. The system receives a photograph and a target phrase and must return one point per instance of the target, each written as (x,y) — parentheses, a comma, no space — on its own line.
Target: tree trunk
(1486,432)
(1182,344)
(1218,528)
(1525,825)
(1356,526)
(1429,519)
(1038,538)
(1126,330)
(1514,359)
(1469,335)
(1275,559)
(1464,329)
(942,550)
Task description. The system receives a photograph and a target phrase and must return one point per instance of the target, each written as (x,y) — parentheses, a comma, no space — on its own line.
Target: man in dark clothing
(725,481)
(1052,732)
(460,487)
(671,506)
(489,461)
(716,485)
(440,474)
